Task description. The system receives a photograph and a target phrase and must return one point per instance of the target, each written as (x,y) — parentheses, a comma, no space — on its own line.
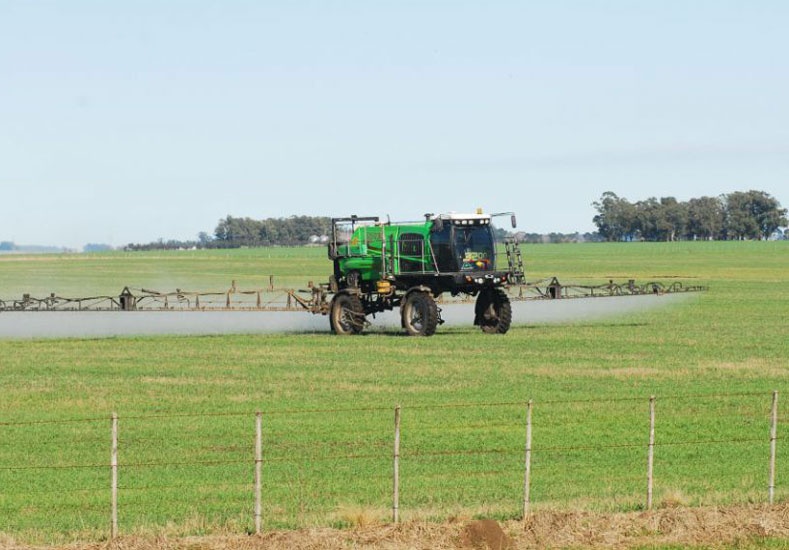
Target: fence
(196,472)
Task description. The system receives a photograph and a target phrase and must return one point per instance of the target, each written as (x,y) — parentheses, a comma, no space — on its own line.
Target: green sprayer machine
(382,266)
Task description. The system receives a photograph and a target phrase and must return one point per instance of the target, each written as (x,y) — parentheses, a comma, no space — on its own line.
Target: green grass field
(187,404)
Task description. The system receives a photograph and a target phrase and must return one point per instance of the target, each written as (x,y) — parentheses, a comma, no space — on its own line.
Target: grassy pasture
(187,403)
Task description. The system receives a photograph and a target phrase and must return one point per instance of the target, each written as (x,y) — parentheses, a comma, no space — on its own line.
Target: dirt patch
(711,527)
(485,534)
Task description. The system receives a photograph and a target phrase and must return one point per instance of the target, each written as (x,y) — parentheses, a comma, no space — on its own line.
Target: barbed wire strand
(61,421)
(405,453)
(248,485)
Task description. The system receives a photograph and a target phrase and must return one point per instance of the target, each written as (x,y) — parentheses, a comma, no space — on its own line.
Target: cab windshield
(474,248)
(463,248)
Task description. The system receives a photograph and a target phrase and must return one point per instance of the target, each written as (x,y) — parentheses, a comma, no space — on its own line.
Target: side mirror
(438,225)
(514,222)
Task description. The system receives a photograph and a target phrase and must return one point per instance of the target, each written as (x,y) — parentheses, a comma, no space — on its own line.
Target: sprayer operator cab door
(463,248)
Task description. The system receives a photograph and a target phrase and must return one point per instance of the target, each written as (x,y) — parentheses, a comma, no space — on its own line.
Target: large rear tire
(346,315)
(493,311)
(419,314)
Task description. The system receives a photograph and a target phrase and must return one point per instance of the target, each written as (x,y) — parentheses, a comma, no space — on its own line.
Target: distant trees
(705,218)
(296,230)
(234,232)
(752,215)
(161,244)
(738,215)
(616,218)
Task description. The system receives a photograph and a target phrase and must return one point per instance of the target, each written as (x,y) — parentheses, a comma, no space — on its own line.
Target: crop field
(186,404)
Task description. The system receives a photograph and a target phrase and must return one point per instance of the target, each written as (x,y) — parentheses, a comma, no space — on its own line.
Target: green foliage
(187,403)
(738,215)
(295,230)
(752,215)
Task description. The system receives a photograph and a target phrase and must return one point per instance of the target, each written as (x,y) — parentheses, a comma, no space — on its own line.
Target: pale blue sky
(130,121)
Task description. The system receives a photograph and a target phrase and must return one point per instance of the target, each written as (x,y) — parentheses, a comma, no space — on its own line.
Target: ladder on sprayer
(514,260)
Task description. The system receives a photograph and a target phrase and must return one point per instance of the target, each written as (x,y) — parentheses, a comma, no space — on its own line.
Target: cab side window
(441,243)
(412,252)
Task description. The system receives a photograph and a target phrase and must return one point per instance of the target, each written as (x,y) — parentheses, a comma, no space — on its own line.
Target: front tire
(419,314)
(346,315)
(493,311)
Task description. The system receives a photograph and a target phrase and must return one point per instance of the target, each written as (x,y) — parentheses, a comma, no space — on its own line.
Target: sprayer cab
(463,244)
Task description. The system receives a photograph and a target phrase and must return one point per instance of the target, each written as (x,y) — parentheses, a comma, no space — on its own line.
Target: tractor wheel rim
(347,318)
(416,318)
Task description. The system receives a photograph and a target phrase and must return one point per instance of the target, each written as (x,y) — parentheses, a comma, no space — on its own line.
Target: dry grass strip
(709,527)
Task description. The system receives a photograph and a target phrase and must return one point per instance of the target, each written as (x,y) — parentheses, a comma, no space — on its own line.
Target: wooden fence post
(773,438)
(527,475)
(114,479)
(651,451)
(396,477)
(258,469)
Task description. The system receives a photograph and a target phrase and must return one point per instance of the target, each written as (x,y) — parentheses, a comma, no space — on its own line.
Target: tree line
(232,232)
(291,231)
(733,216)
(739,215)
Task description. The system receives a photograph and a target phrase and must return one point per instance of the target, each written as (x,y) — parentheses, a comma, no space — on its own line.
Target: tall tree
(649,219)
(239,231)
(705,218)
(674,218)
(753,215)
(616,217)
